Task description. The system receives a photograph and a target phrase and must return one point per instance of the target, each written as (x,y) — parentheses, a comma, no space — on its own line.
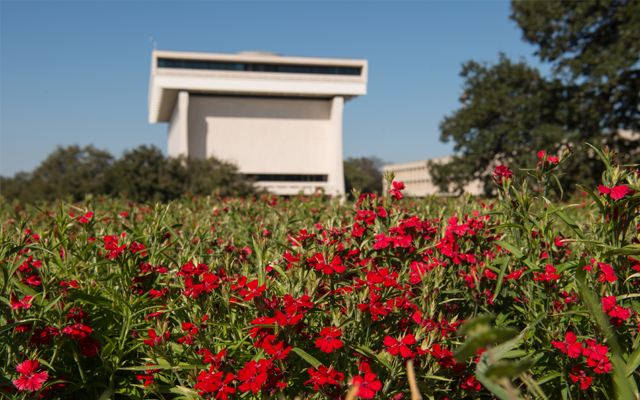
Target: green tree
(206,177)
(67,173)
(510,111)
(145,174)
(595,43)
(139,175)
(364,174)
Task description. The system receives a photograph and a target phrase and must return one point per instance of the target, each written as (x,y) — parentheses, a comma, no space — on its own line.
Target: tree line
(144,174)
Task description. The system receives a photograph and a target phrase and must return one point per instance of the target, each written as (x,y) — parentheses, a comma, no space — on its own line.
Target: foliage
(363,174)
(68,172)
(509,109)
(143,174)
(596,43)
(211,297)
(592,95)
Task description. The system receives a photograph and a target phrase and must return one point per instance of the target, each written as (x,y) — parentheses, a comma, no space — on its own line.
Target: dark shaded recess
(258,67)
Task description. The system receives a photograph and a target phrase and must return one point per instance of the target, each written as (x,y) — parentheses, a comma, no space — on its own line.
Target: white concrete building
(279,119)
(415,176)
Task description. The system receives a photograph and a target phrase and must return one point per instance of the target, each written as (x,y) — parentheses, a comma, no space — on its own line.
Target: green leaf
(161,366)
(88,298)
(477,325)
(437,378)
(369,353)
(518,254)
(569,221)
(595,198)
(508,369)
(13,325)
(630,250)
(490,337)
(633,362)
(307,357)
(503,268)
(51,303)
(280,271)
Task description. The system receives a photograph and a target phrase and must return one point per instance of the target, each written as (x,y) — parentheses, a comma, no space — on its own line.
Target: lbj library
(279,119)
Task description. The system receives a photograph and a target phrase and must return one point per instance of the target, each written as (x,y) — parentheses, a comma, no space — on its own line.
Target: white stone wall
(262,136)
(269,136)
(417,179)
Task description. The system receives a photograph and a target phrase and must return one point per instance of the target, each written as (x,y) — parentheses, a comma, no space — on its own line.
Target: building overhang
(165,83)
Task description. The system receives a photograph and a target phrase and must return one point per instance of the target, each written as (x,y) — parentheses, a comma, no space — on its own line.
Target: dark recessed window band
(284,68)
(250,96)
(287,178)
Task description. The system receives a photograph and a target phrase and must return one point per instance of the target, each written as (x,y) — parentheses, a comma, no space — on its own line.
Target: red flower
(569,346)
(550,159)
(30,379)
(74,284)
(77,331)
(89,347)
(395,192)
(85,218)
(395,346)
(382,241)
(585,380)
(368,385)
(278,351)
(324,376)
(147,377)
(329,339)
(616,192)
(470,383)
(375,307)
(209,358)
(154,339)
(41,337)
(607,274)
(597,356)
(501,173)
(253,290)
(18,304)
(213,382)
(252,380)
(290,318)
(618,314)
(548,275)
(191,330)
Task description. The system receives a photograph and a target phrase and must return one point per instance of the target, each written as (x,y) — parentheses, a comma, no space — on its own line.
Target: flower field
(526,295)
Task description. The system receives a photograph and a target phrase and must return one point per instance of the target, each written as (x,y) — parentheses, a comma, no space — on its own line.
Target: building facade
(417,179)
(279,119)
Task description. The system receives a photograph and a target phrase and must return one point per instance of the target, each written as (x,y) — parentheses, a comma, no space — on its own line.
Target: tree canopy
(363,174)
(142,174)
(510,110)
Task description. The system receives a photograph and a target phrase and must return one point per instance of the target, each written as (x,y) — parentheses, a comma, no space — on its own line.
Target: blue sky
(78,72)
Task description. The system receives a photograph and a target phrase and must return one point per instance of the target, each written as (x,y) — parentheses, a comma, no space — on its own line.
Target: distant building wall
(417,179)
(252,132)
(279,119)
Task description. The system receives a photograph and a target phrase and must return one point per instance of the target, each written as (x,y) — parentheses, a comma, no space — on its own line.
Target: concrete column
(183,109)
(336,175)
(178,135)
